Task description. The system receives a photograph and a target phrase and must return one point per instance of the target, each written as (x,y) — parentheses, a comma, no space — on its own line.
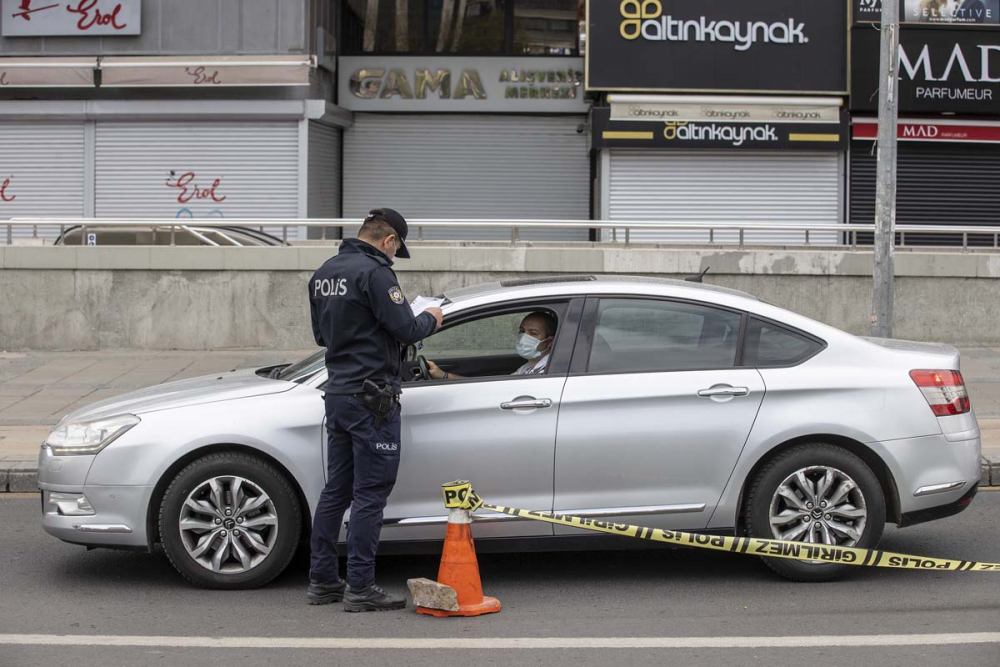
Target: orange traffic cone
(460,570)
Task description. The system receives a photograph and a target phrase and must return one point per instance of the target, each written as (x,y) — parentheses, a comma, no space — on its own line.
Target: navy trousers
(362,462)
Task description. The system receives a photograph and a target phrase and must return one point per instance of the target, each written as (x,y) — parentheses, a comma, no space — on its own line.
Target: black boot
(321,593)
(371,598)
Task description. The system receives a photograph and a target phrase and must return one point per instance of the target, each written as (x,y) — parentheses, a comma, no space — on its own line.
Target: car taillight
(944,390)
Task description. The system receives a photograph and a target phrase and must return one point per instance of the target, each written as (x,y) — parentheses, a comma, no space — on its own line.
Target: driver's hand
(438,317)
(436,373)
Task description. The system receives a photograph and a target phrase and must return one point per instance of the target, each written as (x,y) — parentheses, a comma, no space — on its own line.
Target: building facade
(720,112)
(948,162)
(180,109)
(470,109)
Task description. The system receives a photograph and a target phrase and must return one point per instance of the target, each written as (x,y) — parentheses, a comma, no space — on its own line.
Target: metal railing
(617,231)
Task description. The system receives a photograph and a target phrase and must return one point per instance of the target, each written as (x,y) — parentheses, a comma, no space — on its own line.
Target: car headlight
(88,437)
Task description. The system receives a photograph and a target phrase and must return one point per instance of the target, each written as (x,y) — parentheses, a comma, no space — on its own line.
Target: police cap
(398,224)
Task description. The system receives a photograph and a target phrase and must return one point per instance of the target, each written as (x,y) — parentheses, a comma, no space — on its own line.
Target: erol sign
(404,83)
(723,45)
(78,18)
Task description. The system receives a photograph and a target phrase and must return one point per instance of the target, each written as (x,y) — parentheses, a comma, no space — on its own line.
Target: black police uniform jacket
(360,316)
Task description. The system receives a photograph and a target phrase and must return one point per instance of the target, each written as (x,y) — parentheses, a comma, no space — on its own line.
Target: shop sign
(624,108)
(939,70)
(205,71)
(610,133)
(867,11)
(933,12)
(47,72)
(934,132)
(76,18)
(506,85)
(724,45)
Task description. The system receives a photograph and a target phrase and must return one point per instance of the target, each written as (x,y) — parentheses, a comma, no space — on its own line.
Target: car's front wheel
(230,520)
(816,493)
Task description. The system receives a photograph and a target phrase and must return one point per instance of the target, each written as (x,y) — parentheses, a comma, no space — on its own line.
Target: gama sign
(436,84)
(717,45)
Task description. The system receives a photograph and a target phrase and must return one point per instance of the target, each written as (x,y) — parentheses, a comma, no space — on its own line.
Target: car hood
(204,389)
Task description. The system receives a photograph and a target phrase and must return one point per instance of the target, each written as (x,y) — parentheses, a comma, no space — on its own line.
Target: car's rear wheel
(230,520)
(816,493)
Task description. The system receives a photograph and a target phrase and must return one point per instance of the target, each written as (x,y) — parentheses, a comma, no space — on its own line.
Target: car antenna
(698,278)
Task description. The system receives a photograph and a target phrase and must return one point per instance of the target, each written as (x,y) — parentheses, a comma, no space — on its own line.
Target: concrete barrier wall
(78,298)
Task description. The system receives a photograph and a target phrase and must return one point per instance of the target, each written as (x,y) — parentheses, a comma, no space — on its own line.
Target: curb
(19,477)
(23,477)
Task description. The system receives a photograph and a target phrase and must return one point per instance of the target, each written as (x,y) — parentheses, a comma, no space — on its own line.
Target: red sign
(933,132)
(200,78)
(90,16)
(189,189)
(3,190)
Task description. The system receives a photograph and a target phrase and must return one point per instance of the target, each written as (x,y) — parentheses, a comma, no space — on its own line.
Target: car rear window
(770,345)
(637,335)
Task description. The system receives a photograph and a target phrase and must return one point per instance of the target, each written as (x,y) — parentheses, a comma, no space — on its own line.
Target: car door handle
(526,403)
(724,391)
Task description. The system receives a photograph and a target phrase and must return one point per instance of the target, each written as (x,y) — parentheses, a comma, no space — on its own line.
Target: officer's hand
(438,316)
(436,372)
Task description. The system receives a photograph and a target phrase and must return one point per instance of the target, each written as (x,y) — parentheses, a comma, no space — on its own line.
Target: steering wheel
(425,370)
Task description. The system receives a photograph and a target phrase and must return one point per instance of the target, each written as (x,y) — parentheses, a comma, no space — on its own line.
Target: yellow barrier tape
(461,495)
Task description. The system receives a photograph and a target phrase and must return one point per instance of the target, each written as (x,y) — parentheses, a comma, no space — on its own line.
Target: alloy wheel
(819,505)
(228,525)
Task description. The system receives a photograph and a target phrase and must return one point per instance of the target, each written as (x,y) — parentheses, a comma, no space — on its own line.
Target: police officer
(360,315)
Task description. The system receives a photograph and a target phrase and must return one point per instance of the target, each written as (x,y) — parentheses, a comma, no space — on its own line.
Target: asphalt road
(646,607)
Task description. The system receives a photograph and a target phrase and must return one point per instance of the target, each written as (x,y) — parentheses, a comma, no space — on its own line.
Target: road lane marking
(806,641)
(19,496)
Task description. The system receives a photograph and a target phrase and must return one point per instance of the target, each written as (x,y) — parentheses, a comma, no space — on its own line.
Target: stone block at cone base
(487,606)
(430,594)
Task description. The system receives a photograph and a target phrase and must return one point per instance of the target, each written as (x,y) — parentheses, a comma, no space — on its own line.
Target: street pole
(885,185)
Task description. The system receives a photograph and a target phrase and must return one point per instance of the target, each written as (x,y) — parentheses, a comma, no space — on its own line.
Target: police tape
(460,495)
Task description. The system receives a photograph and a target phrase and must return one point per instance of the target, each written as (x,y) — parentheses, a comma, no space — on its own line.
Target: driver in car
(534,343)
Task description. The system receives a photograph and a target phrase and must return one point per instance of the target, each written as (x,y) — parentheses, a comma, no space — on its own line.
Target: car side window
(770,345)
(638,335)
(486,337)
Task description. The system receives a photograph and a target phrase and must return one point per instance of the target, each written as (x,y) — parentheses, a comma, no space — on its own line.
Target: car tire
(767,500)
(230,520)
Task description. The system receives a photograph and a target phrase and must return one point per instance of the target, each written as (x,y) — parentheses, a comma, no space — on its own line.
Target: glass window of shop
(462,27)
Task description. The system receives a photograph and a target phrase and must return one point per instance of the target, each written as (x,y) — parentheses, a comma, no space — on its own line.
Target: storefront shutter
(726,186)
(44,162)
(324,170)
(257,164)
(936,184)
(470,167)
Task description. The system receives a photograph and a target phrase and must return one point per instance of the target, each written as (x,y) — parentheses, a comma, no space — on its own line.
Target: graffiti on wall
(5,195)
(188,188)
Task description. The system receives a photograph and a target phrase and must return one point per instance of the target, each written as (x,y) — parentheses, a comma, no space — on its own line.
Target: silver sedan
(663,403)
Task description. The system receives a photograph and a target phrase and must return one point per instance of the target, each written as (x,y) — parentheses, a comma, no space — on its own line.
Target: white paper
(422,303)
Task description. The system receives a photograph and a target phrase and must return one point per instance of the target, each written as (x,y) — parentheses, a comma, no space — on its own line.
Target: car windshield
(305,369)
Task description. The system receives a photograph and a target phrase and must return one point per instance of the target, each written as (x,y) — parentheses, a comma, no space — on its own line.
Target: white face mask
(527,346)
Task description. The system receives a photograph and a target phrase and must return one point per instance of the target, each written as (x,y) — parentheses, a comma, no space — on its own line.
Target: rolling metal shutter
(470,167)
(723,186)
(257,164)
(324,170)
(936,184)
(324,175)
(45,164)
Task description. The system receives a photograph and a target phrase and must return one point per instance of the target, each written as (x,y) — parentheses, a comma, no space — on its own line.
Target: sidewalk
(38,388)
